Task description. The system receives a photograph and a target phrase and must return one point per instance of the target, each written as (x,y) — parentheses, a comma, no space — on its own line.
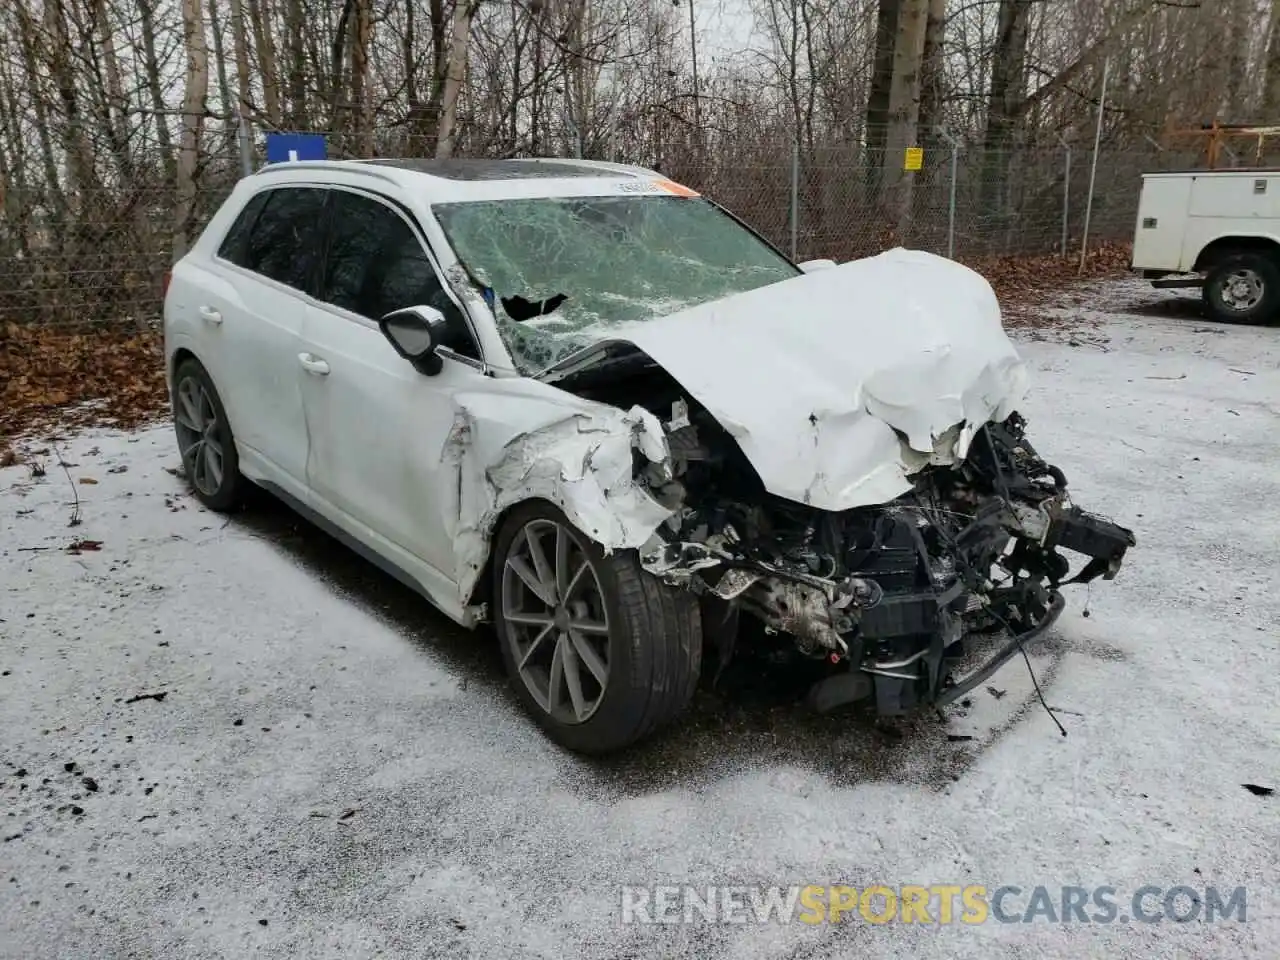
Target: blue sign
(283,147)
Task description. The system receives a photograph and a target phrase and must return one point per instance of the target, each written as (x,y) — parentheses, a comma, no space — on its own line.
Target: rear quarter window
(235,245)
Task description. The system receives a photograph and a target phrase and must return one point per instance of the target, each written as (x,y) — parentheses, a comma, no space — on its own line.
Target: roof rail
(605,165)
(344,166)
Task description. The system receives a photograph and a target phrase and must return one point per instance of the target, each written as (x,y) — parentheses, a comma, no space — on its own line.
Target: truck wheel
(1243,288)
(600,652)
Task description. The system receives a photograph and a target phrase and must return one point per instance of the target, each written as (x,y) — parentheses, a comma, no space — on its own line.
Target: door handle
(210,315)
(313,364)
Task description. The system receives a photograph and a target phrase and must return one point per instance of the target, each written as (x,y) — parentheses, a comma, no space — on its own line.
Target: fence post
(1093,170)
(245,139)
(1066,192)
(951,200)
(795,197)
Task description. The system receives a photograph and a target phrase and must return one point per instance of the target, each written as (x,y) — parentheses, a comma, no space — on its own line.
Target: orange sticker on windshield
(670,186)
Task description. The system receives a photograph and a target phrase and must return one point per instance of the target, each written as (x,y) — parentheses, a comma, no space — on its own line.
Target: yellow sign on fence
(914,159)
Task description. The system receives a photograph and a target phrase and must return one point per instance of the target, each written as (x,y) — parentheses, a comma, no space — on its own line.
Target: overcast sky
(724,26)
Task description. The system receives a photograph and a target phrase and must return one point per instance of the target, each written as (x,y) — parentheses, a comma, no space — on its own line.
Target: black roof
(498,169)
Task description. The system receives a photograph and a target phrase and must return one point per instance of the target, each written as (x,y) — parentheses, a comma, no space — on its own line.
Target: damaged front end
(902,597)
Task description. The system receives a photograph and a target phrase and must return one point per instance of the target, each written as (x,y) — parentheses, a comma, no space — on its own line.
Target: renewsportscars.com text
(942,904)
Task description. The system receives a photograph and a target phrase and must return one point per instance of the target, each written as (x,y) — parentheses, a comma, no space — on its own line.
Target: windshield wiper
(613,356)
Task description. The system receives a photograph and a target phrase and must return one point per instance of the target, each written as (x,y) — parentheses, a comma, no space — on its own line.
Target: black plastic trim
(1007,653)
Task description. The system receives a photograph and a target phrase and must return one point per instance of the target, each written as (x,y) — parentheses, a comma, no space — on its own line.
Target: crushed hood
(840,384)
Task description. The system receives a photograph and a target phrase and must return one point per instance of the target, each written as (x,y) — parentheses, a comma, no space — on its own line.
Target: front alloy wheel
(601,653)
(558,625)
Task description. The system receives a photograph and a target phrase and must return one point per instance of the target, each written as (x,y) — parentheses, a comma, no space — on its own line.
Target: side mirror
(813,266)
(415,332)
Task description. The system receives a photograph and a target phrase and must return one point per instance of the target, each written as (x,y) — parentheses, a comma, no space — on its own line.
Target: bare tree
(455,76)
(193,114)
(904,107)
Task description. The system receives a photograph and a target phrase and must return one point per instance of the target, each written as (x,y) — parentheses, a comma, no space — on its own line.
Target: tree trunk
(933,75)
(220,61)
(151,64)
(76,140)
(904,110)
(1008,90)
(409,56)
(424,116)
(115,102)
(455,76)
(361,102)
(240,41)
(14,185)
(337,60)
(882,79)
(294,25)
(193,110)
(268,68)
(1271,69)
(48,152)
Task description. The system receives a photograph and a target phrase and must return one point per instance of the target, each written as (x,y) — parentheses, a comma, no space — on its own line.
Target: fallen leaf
(88,480)
(54,375)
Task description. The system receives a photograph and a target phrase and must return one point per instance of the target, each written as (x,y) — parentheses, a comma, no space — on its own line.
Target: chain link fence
(97,251)
(99,254)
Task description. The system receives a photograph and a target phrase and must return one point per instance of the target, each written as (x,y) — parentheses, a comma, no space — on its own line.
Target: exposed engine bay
(897,597)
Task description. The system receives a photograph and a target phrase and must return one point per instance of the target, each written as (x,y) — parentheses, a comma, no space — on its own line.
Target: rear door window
(284,242)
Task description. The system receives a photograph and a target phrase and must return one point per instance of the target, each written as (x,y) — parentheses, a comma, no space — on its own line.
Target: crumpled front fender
(580,458)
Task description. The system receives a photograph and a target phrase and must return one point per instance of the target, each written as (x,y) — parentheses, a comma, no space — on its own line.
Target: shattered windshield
(562,273)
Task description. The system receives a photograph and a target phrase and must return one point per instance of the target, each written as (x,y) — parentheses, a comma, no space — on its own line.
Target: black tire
(227,492)
(654,642)
(1226,288)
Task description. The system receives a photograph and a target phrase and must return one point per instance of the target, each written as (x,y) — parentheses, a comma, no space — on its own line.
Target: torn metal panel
(575,454)
(893,591)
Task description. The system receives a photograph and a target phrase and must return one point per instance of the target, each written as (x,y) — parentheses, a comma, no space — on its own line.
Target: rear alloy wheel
(600,652)
(204,438)
(1244,288)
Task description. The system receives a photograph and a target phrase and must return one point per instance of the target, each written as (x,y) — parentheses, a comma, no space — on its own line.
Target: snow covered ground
(333,771)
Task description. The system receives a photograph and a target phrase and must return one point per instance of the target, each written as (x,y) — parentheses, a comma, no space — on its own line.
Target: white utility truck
(1221,225)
